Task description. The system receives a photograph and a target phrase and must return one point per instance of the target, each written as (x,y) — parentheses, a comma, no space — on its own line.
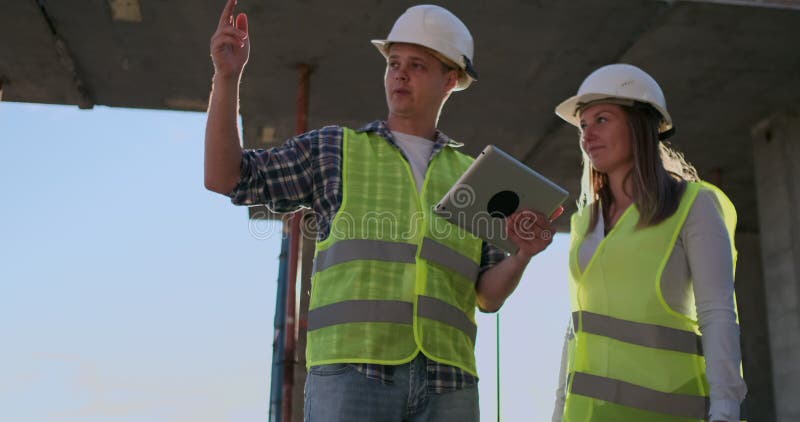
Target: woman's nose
(587,136)
(587,131)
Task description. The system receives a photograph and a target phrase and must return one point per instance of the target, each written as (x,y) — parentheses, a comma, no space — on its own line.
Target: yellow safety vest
(633,357)
(392,278)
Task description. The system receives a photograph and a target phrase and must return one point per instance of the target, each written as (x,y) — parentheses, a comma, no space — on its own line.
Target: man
(391,328)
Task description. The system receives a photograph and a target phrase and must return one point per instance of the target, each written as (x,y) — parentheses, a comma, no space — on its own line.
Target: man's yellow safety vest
(393,279)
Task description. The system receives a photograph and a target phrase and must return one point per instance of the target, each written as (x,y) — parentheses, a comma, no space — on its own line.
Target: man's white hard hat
(617,82)
(436,28)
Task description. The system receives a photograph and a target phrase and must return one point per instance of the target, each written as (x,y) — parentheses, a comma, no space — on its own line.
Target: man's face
(416,82)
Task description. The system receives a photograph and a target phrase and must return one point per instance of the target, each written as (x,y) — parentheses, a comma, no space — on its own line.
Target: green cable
(497,318)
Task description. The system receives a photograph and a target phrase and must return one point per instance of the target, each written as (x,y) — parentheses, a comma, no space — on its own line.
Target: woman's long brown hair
(658,177)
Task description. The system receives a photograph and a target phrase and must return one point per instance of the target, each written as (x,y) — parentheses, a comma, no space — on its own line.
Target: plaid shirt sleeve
(491,256)
(279,177)
(304,172)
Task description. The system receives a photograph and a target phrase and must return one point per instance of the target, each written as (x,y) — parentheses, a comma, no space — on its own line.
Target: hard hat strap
(468,67)
(666,134)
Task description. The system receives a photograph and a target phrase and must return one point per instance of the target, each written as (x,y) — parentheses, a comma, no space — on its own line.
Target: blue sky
(130,293)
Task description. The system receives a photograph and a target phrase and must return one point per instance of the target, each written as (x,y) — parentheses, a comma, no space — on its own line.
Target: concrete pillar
(756,358)
(777,171)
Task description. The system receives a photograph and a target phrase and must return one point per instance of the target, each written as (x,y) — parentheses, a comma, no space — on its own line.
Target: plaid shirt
(307,172)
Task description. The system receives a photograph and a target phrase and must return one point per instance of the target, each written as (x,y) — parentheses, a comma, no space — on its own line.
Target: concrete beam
(772,4)
(67,61)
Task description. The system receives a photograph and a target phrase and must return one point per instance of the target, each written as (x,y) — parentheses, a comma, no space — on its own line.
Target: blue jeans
(340,393)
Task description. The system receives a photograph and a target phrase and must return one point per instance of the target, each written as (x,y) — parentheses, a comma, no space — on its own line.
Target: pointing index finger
(227,12)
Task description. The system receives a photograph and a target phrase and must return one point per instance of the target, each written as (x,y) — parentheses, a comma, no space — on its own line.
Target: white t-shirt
(700,263)
(418,151)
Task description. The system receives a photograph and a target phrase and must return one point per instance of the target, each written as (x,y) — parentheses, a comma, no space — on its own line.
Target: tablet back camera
(502,204)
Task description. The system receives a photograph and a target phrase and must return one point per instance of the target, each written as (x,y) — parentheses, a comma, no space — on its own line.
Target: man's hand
(230,44)
(531,231)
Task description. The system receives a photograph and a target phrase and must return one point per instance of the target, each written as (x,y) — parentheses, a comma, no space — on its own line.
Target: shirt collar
(380,127)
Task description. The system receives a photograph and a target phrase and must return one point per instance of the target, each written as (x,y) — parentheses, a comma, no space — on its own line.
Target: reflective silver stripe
(353,249)
(439,310)
(632,395)
(436,252)
(395,311)
(639,333)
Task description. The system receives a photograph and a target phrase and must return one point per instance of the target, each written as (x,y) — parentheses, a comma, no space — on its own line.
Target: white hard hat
(436,28)
(618,82)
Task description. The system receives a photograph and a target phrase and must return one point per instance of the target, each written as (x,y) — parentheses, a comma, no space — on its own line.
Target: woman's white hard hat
(617,82)
(434,27)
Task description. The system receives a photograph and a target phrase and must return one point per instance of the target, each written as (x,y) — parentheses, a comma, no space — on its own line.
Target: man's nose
(401,74)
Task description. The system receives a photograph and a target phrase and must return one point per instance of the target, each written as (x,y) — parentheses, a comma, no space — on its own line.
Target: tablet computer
(495,186)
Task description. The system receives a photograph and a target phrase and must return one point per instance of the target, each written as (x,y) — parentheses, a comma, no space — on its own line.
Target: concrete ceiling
(723,67)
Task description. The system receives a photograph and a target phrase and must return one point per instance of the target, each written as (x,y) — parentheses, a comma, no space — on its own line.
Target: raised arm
(230,49)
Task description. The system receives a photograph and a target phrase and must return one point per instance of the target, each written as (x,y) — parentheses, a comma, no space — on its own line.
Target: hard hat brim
(568,109)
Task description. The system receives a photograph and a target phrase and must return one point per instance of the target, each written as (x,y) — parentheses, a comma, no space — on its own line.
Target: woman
(653,334)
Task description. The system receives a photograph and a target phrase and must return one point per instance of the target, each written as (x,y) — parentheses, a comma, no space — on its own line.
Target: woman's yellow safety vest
(633,357)
(392,278)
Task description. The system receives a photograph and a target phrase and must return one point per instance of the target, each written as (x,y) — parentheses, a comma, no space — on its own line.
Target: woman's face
(606,138)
